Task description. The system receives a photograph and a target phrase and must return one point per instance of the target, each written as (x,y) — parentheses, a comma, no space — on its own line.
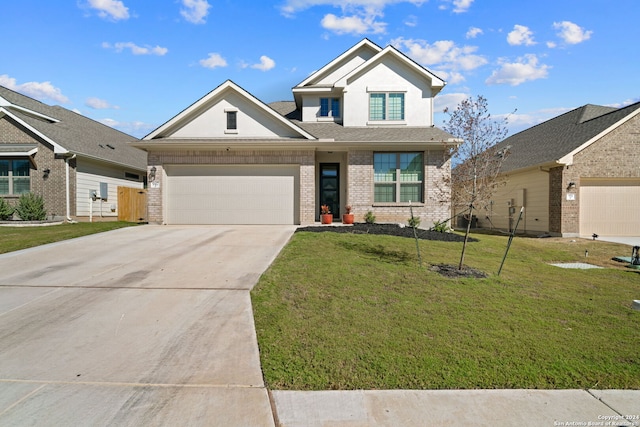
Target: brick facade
(52,188)
(360,190)
(615,155)
(304,158)
(359,186)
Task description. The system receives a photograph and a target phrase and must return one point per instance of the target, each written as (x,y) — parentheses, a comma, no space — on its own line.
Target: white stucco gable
(207,118)
(344,87)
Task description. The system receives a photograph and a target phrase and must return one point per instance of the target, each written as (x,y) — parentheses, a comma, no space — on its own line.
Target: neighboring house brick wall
(556,196)
(52,189)
(305,158)
(616,155)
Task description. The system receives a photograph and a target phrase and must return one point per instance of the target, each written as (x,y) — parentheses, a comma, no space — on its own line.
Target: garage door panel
(610,207)
(232,195)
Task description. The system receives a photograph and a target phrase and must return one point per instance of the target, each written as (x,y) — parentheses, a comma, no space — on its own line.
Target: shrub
(31,207)
(6,210)
(441,227)
(369,218)
(414,221)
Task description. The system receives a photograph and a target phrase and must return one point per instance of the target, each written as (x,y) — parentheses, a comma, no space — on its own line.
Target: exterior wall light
(152,174)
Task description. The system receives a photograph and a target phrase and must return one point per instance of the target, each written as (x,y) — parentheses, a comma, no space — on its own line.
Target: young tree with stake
(477,160)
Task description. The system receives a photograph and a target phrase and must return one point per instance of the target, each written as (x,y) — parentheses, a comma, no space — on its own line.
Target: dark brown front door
(330,187)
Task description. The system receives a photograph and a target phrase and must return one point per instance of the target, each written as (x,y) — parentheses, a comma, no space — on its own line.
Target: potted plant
(326,217)
(347,217)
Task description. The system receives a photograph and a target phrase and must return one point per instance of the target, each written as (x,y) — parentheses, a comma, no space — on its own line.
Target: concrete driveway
(149,325)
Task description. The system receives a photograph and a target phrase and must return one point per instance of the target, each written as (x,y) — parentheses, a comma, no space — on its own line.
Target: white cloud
(445,56)
(110,9)
(571,33)
(460,6)
(265,64)
(135,49)
(515,73)
(36,90)
(624,103)
(137,129)
(517,122)
(551,45)
(352,24)
(520,35)
(291,7)
(358,16)
(213,61)
(411,21)
(474,32)
(99,104)
(449,100)
(195,11)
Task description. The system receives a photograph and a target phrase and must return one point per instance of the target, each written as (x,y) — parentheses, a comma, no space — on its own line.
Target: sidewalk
(533,408)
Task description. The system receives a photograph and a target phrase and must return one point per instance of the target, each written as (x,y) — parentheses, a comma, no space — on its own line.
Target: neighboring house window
(232,120)
(398,177)
(329,107)
(14,176)
(386,106)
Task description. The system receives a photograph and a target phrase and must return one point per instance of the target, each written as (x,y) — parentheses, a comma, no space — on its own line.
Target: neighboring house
(62,156)
(576,175)
(359,132)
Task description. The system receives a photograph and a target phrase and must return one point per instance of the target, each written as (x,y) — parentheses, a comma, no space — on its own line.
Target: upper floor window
(398,177)
(386,106)
(15,176)
(329,107)
(232,120)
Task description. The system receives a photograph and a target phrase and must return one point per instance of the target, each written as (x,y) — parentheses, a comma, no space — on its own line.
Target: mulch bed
(388,229)
(448,270)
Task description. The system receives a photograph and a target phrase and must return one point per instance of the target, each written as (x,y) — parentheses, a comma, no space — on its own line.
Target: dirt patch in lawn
(452,271)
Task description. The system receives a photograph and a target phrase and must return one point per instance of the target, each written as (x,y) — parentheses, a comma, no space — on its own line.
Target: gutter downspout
(68,189)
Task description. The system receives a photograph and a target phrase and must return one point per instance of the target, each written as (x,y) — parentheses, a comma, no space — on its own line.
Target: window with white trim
(398,177)
(386,106)
(15,176)
(329,107)
(232,120)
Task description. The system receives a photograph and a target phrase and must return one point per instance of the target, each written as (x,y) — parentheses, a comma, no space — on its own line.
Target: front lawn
(349,311)
(16,238)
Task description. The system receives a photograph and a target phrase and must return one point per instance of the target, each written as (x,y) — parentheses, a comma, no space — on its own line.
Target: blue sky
(134,64)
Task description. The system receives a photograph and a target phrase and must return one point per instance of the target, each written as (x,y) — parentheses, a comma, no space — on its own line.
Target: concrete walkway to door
(149,325)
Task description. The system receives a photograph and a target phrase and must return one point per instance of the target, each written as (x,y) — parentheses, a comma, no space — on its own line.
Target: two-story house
(359,132)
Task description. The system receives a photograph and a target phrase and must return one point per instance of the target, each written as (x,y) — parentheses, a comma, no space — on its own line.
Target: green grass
(339,311)
(16,238)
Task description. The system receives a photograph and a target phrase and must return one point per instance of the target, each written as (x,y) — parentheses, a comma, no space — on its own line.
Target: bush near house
(6,210)
(31,207)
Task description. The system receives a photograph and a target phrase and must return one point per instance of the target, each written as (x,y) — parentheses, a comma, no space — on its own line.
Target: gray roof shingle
(557,137)
(77,133)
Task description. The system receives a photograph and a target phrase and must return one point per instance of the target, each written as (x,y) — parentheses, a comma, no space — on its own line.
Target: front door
(330,187)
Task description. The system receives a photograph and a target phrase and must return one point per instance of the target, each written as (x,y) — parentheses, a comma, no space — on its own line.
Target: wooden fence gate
(132,204)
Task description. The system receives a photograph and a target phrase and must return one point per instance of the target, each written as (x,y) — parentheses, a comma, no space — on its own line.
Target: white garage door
(610,207)
(245,194)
